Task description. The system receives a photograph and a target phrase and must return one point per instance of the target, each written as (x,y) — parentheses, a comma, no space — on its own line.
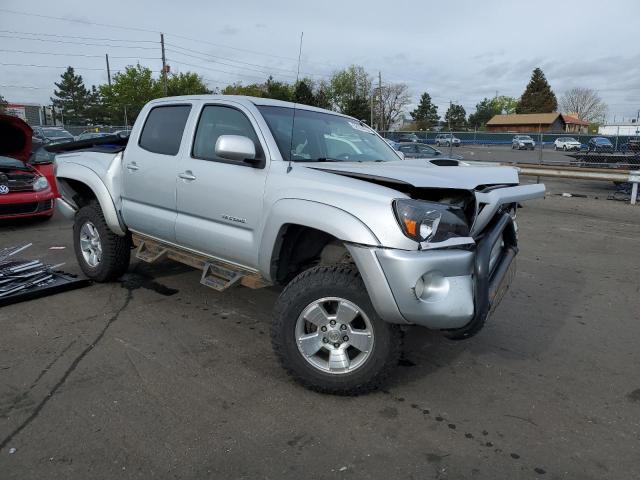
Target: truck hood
(422,173)
(15,138)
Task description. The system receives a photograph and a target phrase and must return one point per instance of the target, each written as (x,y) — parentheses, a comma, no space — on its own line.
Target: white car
(567,143)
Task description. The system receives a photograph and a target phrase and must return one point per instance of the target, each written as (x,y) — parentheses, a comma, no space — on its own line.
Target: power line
(227,64)
(236,61)
(23,86)
(74,54)
(74,20)
(169,60)
(85,22)
(77,37)
(76,43)
(56,66)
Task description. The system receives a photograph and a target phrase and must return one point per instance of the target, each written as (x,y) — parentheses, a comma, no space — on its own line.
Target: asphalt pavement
(157,376)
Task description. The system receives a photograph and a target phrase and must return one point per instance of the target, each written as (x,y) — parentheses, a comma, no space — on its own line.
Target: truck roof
(245,100)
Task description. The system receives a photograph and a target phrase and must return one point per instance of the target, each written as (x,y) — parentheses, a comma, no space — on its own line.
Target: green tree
(484,112)
(504,104)
(350,90)
(96,112)
(303,93)
(129,90)
(538,96)
(3,104)
(322,96)
(188,83)
(71,98)
(425,115)
(278,90)
(456,117)
(252,90)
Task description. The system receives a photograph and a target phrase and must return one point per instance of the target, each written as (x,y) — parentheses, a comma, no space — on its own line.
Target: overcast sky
(456,50)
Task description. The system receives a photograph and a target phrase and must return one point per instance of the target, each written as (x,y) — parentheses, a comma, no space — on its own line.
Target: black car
(52,135)
(407,137)
(420,150)
(600,145)
(633,145)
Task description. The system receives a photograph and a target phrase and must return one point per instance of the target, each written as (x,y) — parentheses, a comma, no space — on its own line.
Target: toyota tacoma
(259,192)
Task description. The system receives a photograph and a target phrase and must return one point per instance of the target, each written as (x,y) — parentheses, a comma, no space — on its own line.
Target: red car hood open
(15,138)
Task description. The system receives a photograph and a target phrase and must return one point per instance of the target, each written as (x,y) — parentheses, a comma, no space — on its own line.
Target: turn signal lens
(425,221)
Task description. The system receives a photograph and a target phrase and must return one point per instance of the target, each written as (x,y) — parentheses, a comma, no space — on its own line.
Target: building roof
(570,119)
(524,119)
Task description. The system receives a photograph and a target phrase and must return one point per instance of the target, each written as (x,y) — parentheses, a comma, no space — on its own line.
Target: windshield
(602,140)
(320,137)
(8,162)
(56,134)
(524,137)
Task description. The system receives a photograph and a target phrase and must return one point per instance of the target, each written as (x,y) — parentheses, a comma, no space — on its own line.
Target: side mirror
(237,148)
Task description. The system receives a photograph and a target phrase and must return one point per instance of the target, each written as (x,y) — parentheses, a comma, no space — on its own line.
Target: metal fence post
(634,178)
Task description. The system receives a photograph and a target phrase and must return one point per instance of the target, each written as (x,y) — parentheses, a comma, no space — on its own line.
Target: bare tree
(585,103)
(395,97)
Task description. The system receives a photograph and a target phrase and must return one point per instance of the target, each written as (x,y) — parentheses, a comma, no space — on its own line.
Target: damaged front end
(464,261)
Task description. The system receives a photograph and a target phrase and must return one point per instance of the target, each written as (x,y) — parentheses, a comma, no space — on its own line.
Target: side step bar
(216,274)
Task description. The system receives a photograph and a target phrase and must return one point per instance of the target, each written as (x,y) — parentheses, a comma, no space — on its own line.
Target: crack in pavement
(42,373)
(66,374)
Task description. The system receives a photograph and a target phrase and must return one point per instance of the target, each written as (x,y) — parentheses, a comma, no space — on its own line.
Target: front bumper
(441,289)
(27,204)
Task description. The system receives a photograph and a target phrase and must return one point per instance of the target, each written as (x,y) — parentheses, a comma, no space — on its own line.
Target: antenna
(293,120)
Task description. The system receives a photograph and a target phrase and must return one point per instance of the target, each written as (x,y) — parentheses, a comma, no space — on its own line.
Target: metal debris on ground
(623,193)
(25,279)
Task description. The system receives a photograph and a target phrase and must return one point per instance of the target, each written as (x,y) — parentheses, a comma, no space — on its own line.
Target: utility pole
(371,110)
(106,55)
(164,66)
(381,125)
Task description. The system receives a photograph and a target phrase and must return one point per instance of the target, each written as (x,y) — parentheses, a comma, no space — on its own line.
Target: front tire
(328,336)
(102,255)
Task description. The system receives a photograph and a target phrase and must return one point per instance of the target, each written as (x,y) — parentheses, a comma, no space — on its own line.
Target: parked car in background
(27,189)
(567,143)
(523,142)
(600,145)
(88,135)
(633,145)
(447,139)
(408,137)
(52,135)
(420,150)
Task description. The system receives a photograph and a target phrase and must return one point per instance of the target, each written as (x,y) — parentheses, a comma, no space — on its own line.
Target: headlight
(40,184)
(521,144)
(424,221)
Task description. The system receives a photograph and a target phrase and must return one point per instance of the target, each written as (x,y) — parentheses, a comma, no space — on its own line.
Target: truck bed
(107,144)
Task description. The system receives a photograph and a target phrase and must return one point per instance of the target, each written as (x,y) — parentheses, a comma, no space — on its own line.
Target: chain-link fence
(563,149)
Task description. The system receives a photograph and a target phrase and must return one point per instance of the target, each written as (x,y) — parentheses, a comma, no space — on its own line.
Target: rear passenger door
(219,201)
(150,169)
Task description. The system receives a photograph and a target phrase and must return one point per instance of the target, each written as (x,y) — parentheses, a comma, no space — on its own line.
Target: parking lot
(159,377)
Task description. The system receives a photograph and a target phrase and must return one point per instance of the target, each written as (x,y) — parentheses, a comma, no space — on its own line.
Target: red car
(27,189)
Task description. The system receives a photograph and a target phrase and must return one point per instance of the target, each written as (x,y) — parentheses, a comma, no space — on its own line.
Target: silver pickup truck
(258,192)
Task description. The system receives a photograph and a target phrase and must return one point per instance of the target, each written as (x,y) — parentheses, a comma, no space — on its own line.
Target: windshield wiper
(321,159)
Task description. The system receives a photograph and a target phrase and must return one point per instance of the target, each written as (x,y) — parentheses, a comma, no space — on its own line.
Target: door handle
(187,176)
(132,166)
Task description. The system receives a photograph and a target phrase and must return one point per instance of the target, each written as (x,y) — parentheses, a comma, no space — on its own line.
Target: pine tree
(303,93)
(426,114)
(71,98)
(456,117)
(538,96)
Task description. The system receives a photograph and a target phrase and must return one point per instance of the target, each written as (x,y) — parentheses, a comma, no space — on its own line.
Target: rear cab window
(163,129)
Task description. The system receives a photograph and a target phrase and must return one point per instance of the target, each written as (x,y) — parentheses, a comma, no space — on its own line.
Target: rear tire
(102,255)
(328,294)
